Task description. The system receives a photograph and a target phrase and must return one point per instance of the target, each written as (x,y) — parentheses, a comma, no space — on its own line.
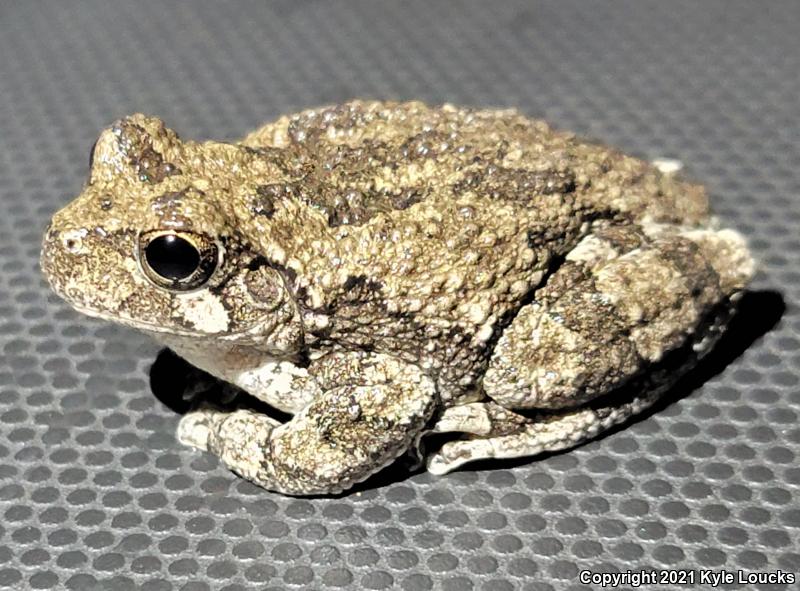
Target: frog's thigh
(623,298)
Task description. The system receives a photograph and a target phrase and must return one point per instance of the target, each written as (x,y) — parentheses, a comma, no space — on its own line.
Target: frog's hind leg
(624,298)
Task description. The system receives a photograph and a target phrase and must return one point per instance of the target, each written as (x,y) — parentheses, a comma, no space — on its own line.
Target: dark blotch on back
(362,282)
(354,207)
(521,185)
(263,202)
(347,182)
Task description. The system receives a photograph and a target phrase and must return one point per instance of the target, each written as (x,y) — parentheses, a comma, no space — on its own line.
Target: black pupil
(172,257)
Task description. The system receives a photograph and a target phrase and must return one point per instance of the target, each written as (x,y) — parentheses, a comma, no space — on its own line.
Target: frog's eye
(178,261)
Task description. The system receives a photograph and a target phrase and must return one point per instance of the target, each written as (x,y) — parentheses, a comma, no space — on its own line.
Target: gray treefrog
(382,271)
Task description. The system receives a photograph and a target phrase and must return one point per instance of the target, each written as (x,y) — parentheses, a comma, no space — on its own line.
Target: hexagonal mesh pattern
(96,494)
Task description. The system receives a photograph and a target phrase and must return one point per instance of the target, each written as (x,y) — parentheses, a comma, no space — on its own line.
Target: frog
(386,274)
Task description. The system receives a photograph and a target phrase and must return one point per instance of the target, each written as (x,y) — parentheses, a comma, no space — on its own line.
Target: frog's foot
(511,435)
(368,410)
(592,348)
(207,427)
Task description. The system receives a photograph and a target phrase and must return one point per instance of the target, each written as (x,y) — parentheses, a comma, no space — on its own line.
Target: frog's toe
(478,418)
(194,429)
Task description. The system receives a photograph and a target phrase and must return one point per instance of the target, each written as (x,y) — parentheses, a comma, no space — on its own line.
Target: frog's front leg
(367,410)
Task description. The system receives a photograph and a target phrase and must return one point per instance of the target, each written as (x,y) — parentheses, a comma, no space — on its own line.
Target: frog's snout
(70,241)
(60,248)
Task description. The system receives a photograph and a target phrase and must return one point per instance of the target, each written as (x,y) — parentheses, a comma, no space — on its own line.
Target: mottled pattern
(495,197)
(615,307)
(96,492)
(405,301)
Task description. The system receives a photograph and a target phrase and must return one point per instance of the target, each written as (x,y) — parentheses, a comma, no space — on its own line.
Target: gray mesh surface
(96,494)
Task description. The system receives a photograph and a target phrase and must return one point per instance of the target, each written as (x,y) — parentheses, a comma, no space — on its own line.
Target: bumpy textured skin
(433,260)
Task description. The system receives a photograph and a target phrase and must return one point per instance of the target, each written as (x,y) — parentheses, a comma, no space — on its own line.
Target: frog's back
(444,220)
(394,154)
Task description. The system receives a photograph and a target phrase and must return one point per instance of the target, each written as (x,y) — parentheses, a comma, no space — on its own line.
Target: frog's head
(151,242)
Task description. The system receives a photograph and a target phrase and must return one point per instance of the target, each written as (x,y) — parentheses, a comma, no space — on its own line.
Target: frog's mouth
(135,323)
(127,316)
(153,329)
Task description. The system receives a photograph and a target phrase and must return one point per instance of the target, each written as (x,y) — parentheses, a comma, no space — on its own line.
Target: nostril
(72,240)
